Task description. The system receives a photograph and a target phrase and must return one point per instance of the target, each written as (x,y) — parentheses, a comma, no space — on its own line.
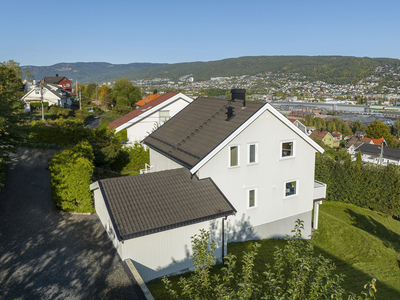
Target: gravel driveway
(48,254)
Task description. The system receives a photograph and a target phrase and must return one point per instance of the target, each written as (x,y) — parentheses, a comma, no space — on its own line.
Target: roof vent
(229,113)
(154,92)
(239,94)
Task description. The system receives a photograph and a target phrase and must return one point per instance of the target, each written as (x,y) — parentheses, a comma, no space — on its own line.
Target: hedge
(369,186)
(71,173)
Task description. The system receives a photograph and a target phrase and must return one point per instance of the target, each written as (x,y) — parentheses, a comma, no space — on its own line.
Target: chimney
(239,94)
(56,75)
(154,92)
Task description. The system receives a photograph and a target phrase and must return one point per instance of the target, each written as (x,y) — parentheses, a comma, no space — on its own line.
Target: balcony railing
(319,190)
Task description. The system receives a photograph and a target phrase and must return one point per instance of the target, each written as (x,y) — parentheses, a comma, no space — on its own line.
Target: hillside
(332,69)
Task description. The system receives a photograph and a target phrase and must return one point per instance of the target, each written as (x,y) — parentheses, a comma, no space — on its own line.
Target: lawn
(362,243)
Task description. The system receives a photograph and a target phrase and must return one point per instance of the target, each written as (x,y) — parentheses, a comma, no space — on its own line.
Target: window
(67,85)
(287,149)
(164,116)
(251,198)
(234,156)
(291,188)
(252,153)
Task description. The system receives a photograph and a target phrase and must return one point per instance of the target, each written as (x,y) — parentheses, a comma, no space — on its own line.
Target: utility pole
(41,99)
(80,99)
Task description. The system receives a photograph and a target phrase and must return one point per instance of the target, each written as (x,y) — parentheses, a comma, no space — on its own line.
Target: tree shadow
(368,224)
(48,254)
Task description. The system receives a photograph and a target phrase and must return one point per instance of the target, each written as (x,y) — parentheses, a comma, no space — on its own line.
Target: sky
(160,31)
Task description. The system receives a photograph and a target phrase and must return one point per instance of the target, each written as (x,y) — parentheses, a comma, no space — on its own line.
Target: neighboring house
(336,134)
(306,129)
(377,142)
(380,155)
(326,137)
(249,158)
(52,94)
(63,82)
(142,121)
(147,99)
(354,143)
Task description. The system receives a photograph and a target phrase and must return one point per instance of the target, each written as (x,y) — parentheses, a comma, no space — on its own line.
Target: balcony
(319,190)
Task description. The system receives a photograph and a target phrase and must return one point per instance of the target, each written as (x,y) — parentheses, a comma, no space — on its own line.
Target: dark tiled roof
(388,152)
(54,79)
(133,114)
(200,127)
(154,202)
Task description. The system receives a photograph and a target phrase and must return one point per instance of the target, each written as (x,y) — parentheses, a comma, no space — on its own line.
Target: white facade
(163,253)
(141,126)
(51,94)
(264,181)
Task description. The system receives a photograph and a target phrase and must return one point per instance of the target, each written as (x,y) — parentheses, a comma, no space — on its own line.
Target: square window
(234,156)
(287,149)
(291,188)
(253,153)
(251,198)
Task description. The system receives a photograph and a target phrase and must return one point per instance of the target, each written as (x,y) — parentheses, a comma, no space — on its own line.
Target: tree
(378,129)
(358,159)
(11,91)
(358,126)
(105,97)
(297,274)
(125,93)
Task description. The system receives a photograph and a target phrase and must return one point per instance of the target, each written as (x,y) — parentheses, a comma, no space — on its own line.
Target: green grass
(362,243)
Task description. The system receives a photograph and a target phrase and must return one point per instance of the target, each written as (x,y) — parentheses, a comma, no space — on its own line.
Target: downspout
(223,238)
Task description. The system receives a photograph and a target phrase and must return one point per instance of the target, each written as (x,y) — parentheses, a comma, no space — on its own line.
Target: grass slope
(362,243)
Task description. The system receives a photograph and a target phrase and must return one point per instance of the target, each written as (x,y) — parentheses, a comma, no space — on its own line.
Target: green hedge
(38,105)
(71,173)
(60,132)
(369,186)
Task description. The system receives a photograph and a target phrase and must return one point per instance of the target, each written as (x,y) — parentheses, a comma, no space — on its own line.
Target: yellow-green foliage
(138,157)
(60,132)
(71,173)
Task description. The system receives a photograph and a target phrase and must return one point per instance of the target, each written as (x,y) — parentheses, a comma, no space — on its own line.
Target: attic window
(287,149)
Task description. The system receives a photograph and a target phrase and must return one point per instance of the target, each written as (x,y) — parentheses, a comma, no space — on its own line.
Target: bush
(59,111)
(297,274)
(61,132)
(71,173)
(138,157)
(82,114)
(38,106)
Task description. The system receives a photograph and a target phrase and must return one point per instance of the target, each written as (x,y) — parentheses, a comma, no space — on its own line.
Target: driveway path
(48,254)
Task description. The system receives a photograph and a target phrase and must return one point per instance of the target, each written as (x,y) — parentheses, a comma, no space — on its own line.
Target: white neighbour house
(214,159)
(52,94)
(145,119)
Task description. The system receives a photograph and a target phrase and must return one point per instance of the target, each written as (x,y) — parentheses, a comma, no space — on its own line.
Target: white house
(52,94)
(259,162)
(378,154)
(145,119)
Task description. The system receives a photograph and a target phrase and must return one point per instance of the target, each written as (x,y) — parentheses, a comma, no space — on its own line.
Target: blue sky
(44,33)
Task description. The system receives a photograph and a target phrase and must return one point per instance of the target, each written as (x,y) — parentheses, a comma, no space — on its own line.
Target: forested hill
(331,69)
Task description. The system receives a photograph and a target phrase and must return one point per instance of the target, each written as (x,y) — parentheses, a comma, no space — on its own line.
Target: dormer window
(287,149)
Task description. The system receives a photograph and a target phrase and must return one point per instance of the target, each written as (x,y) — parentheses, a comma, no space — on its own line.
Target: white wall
(268,176)
(160,163)
(167,252)
(141,129)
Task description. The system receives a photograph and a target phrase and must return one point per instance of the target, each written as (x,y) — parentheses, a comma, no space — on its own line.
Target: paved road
(48,254)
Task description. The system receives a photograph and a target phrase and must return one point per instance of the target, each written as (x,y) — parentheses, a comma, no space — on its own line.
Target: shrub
(38,106)
(138,157)
(71,173)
